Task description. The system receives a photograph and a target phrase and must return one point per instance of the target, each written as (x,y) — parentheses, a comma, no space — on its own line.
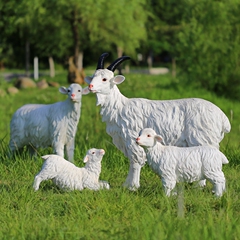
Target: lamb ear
(118,79)
(85,91)
(85,159)
(63,90)
(88,79)
(159,139)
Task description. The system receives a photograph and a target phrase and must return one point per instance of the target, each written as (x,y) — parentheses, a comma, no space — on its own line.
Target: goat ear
(88,79)
(85,159)
(85,91)
(63,90)
(159,139)
(118,79)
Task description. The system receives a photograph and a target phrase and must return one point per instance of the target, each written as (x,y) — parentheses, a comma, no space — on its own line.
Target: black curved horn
(118,61)
(101,61)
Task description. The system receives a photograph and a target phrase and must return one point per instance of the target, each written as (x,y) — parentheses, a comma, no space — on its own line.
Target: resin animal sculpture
(41,125)
(183,164)
(67,176)
(182,122)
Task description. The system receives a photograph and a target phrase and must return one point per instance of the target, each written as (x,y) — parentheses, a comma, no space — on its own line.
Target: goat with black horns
(182,122)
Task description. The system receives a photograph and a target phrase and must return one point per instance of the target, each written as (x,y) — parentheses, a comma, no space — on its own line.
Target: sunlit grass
(118,213)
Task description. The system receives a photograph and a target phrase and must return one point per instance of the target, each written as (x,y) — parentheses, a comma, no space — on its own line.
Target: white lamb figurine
(40,125)
(183,164)
(69,177)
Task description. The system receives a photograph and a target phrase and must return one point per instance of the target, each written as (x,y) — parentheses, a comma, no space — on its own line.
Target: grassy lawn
(118,213)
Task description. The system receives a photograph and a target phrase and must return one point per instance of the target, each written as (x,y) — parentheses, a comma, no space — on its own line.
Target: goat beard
(100,99)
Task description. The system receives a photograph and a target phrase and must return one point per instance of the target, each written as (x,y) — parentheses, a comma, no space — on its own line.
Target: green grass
(118,213)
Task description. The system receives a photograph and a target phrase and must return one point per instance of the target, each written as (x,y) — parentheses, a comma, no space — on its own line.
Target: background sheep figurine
(176,164)
(40,125)
(183,122)
(69,177)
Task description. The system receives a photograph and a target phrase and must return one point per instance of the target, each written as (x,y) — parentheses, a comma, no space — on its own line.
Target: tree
(117,24)
(22,18)
(208,49)
(69,15)
(163,24)
(103,25)
(69,27)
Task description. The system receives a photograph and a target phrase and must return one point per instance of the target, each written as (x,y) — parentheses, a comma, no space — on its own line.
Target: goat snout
(102,151)
(73,95)
(90,87)
(138,139)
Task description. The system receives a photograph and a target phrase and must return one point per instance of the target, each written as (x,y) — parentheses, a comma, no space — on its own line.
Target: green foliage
(60,28)
(203,36)
(121,25)
(164,21)
(208,47)
(118,213)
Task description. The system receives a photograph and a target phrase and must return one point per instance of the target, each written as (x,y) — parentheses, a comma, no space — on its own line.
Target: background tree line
(201,37)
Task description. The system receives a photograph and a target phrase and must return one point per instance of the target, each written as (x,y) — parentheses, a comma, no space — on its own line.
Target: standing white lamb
(69,177)
(41,125)
(183,122)
(176,164)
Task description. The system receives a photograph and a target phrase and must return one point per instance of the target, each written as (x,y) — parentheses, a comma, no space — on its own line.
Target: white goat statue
(41,125)
(183,164)
(69,177)
(183,122)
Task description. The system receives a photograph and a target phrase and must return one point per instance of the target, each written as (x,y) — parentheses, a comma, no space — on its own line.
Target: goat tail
(224,159)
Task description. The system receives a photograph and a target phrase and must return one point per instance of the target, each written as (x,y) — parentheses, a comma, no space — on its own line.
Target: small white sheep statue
(183,164)
(69,177)
(41,125)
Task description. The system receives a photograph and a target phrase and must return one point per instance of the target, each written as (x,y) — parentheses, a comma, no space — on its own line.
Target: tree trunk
(173,67)
(75,31)
(80,61)
(150,60)
(51,67)
(119,54)
(27,57)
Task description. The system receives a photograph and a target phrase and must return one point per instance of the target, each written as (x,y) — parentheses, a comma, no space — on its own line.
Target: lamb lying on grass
(186,164)
(41,125)
(69,177)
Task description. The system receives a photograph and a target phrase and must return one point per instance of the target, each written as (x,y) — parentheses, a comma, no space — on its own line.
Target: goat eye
(148,135)
(93,152)
(104,79)
(79,90)
(68,90)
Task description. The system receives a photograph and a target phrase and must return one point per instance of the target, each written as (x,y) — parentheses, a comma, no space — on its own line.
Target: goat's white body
(69,177)
(176,164)
(40,125)
(180,121)
(183,122)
